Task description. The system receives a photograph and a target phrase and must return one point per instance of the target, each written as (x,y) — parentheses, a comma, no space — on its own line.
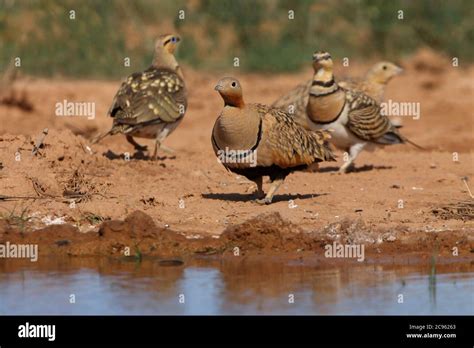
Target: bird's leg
(313,167)
(155,153)
(353,153)
(269,197)
(259,182)
(158,146)
(136,145)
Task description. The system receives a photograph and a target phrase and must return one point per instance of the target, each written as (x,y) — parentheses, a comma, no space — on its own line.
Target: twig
(464,180)
(7,198)
(38,188)
(67,196)
(84,195)
(39,142)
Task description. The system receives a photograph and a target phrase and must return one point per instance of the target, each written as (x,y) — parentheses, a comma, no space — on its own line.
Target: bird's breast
(235,133)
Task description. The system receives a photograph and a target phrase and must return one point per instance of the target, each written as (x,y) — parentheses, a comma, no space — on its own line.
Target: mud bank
(268,235)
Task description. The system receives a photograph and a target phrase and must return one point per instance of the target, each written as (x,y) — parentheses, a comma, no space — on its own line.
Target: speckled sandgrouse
(152,103)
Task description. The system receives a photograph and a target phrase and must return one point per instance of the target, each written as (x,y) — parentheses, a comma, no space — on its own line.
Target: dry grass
(460,210)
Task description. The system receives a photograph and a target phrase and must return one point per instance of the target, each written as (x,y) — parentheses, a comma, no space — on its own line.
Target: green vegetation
(93,218)
(258,32)
(20,219)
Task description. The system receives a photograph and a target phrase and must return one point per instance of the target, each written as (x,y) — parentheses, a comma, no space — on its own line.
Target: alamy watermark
(237,156)
(76,109)
(338,250)
(19,251)
(28,330)
(393,108)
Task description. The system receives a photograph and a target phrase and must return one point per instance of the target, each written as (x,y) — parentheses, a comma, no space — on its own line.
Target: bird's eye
(384,67)
(233,84)
(173,39)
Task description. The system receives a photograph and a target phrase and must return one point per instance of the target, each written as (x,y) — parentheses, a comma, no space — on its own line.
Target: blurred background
(260,33)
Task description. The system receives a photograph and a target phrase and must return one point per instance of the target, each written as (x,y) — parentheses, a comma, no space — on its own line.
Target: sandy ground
(396,194)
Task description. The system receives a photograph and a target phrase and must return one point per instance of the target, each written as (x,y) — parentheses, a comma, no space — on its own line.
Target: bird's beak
(218,87)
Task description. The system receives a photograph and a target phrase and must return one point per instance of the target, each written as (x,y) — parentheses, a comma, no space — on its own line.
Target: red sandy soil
(359,207)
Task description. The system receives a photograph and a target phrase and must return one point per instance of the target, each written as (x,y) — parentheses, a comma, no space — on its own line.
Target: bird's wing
(351,83)
(155,95)
(366,121)
(290,144)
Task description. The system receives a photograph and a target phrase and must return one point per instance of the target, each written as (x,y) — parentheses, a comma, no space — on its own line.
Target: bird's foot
(167,149)
(136,146)
(344,169)
(141,148)
(263,201)
(259,194)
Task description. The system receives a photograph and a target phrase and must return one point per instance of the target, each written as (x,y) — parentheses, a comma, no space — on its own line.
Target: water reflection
(105,286)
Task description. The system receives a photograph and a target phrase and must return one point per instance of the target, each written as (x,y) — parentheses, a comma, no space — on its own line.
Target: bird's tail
(394,137)
(101,136)
(323,137)
(405,139)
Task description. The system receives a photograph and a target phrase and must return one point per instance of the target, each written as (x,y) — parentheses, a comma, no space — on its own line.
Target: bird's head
(383,72)
(167,42)
(230,90)
(322,60)
(164,57)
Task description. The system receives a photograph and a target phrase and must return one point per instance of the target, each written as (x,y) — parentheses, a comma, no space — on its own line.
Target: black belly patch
(273,171)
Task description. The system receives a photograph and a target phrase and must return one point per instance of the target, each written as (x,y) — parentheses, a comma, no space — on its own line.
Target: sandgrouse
(373,84)
(375,80)
(354,117)
(152,103)
(256,140)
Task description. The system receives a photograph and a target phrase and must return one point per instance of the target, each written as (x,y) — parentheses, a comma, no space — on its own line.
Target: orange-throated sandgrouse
(256,140)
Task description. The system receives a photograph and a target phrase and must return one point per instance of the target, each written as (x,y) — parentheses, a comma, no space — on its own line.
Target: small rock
(62,242)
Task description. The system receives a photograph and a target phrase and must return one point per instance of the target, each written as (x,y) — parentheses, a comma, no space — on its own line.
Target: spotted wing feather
(152,96)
